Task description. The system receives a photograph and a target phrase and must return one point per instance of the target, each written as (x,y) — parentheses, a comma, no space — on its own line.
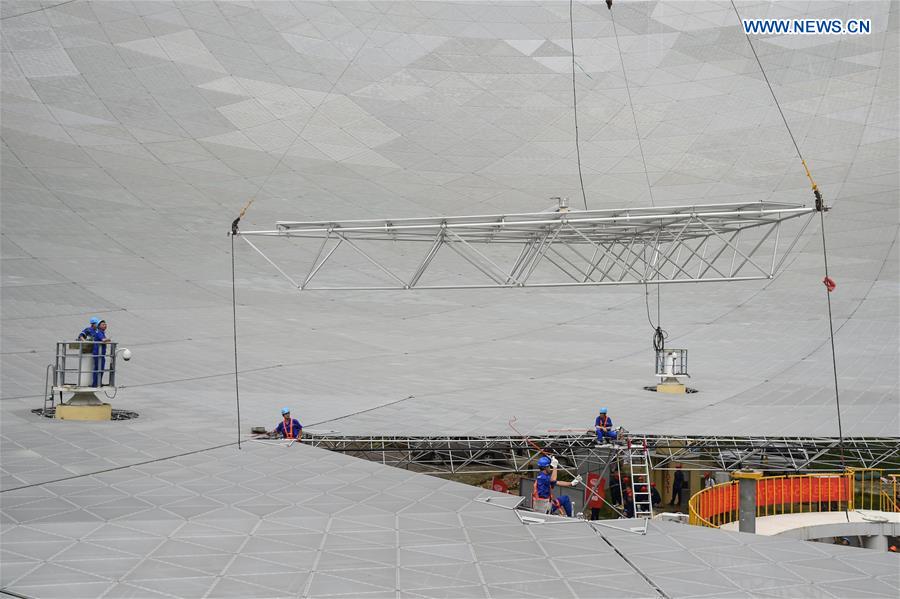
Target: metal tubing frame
(449,454)
(642,242)
(67,367)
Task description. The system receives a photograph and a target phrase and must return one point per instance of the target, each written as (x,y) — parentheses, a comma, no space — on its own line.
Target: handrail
(857,488)
(85,365)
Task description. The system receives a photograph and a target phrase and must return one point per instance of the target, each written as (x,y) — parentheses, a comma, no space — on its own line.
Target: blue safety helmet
(94,320)
(544,462)
(603,410)
(285,411)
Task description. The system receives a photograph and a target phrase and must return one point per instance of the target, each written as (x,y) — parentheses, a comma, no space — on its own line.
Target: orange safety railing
(863,488)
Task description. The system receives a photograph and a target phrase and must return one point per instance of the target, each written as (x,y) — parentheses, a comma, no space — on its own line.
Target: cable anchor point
(237,221)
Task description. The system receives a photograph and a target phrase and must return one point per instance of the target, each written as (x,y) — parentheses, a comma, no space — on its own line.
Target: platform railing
(875,490)
(85,364)
(855,489)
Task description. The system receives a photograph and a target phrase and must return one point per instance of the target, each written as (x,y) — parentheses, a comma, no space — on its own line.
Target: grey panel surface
(133,132)
(278,521)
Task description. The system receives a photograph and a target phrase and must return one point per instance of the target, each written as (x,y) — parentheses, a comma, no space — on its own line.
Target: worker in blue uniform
(604,426)
(288,428)
(542,495)
(87,333)
(86,336)
(99,351)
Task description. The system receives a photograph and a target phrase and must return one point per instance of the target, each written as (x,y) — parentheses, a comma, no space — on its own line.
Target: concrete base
(89,412)
(871,525)
(84,396)
(670,388)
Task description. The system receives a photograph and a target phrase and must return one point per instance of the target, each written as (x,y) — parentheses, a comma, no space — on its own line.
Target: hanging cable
(630,102)
(822,209)
(237,388)
(818,195)
(829,286)
(575,100)
(236,222)
(659,335)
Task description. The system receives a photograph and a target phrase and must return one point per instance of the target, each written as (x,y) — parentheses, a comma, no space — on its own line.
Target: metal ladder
(639,464)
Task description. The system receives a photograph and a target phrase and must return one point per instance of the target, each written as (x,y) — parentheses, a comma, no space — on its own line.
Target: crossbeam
(677,244)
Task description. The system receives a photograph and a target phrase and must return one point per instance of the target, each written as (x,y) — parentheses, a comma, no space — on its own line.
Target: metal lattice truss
(517,454)
(786,454)
(716,242)
(457,454)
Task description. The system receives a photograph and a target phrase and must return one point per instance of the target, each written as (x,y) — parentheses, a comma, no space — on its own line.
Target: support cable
(575,100)
(312,114)
(837,397)
(659,335)
(631,103)
(821,208)
(236,222)
(165,458)
(237,388)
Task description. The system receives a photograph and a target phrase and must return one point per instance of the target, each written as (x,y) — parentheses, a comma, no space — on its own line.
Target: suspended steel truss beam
(676,244)
(517,454)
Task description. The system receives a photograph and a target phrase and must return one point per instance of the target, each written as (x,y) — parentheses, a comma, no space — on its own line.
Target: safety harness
(603,424)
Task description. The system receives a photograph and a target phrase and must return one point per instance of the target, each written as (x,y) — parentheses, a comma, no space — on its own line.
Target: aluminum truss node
(715,242)
(516,454)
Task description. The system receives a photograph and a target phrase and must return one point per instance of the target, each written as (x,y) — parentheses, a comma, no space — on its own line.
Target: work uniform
(604,420)
(543,490)
(628,501)
(677,487)
(99,351)
(291,431)
(615,490)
